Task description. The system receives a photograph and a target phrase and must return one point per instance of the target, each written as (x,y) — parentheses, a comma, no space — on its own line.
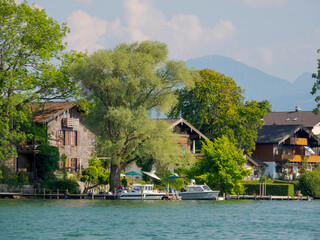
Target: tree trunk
(114,179)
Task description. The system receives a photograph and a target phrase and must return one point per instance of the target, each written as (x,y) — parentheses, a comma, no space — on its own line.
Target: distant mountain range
(283,95)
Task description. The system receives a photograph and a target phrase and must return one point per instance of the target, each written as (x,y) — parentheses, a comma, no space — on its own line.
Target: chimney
(298,109)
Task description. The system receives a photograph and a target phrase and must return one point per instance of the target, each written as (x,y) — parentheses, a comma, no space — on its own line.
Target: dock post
(58,193)
(224,196)
(270,197)
(141,194)
(238,196)
(92,197)
(44,193)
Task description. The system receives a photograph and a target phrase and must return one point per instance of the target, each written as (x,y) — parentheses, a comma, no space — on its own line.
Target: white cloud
(86,31)
(184,34)
(262,3)
(266,55)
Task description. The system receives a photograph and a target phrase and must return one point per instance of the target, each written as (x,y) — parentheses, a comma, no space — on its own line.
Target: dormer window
(296,118)
(288,119)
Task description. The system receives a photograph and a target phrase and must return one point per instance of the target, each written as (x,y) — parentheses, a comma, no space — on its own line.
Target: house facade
(187,137)
(285,148)
(66,131)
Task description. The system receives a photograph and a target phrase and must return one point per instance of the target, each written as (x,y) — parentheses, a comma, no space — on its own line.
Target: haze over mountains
(283,95)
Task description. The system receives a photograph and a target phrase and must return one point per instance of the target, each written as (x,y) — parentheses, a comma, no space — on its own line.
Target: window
(73,139)
(61,164)
(66,114)
(73,164)
(61,137)
(183,147)
(91,141)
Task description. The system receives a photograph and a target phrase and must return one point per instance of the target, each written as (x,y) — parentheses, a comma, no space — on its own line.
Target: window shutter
(57,137)
(78,138)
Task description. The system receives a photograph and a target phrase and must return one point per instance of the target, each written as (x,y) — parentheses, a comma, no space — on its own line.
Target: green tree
(216,107)
(222,166)
(33,68)
(126,84)
(96,174)
(309,183)
(47,161)
(316,86)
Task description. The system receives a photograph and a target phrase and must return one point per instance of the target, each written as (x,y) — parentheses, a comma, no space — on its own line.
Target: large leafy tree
(222,166)
(316,86)
(96,174)
(217,107)
(126,84)
(33,68)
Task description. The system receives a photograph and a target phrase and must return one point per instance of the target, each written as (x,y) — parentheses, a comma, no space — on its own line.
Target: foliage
(127,83)
(47,161)
(309,183)
(64,159)
(222,166)
(62,185)
(272,189)
(96,174)
(216,107)
(33,68)
(316,86)
(9,176)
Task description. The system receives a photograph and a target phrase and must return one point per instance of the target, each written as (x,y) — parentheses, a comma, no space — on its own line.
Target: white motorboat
(198,192)
(141,192)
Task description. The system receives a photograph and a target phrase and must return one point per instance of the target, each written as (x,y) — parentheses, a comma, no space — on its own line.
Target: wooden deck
(255,197)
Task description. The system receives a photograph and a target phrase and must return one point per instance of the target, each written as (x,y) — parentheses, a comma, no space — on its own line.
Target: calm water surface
(105,219)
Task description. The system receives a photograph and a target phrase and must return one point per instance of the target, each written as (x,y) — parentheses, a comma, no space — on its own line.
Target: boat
(141,192)
(198,192)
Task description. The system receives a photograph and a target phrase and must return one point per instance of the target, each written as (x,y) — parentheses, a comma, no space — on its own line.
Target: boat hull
(139,196)
(212,195)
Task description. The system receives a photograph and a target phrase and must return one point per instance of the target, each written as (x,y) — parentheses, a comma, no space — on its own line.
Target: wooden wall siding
(297,158)
(263,152)
(297,141)
(183,140)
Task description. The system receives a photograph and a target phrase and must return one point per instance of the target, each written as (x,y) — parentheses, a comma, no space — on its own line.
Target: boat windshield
(206,188)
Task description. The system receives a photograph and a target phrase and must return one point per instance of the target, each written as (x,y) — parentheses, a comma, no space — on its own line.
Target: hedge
(272,189)
(62,185)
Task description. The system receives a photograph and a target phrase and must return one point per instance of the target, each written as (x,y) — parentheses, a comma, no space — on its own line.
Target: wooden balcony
(70,122)
(297,141)
(297,158)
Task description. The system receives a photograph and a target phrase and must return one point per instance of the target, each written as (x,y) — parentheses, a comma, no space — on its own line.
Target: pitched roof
(277,133)
(48,111)
(255,162)
(176,121)
(305,118)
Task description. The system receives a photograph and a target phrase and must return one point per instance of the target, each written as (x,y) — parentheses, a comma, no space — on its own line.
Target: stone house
(284,148)
(66,131)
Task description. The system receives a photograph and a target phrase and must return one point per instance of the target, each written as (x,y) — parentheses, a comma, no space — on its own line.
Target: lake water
(107,219)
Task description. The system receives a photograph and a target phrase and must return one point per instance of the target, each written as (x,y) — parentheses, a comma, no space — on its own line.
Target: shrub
(309,183)
(62,185)
(9,176)
(272,189)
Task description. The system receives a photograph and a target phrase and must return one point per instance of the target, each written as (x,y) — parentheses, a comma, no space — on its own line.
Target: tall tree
(126,84)
(33,68)
(222,166)
(316,86)
(216,107)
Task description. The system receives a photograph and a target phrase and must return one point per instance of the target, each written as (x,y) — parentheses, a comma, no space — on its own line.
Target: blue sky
(279,37)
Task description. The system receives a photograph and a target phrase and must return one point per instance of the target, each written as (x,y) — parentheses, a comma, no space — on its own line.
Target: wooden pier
(258,197)
(54,196)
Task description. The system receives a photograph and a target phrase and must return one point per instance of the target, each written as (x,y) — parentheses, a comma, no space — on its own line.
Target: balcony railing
(297,141)
(70,122)
(297,158)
